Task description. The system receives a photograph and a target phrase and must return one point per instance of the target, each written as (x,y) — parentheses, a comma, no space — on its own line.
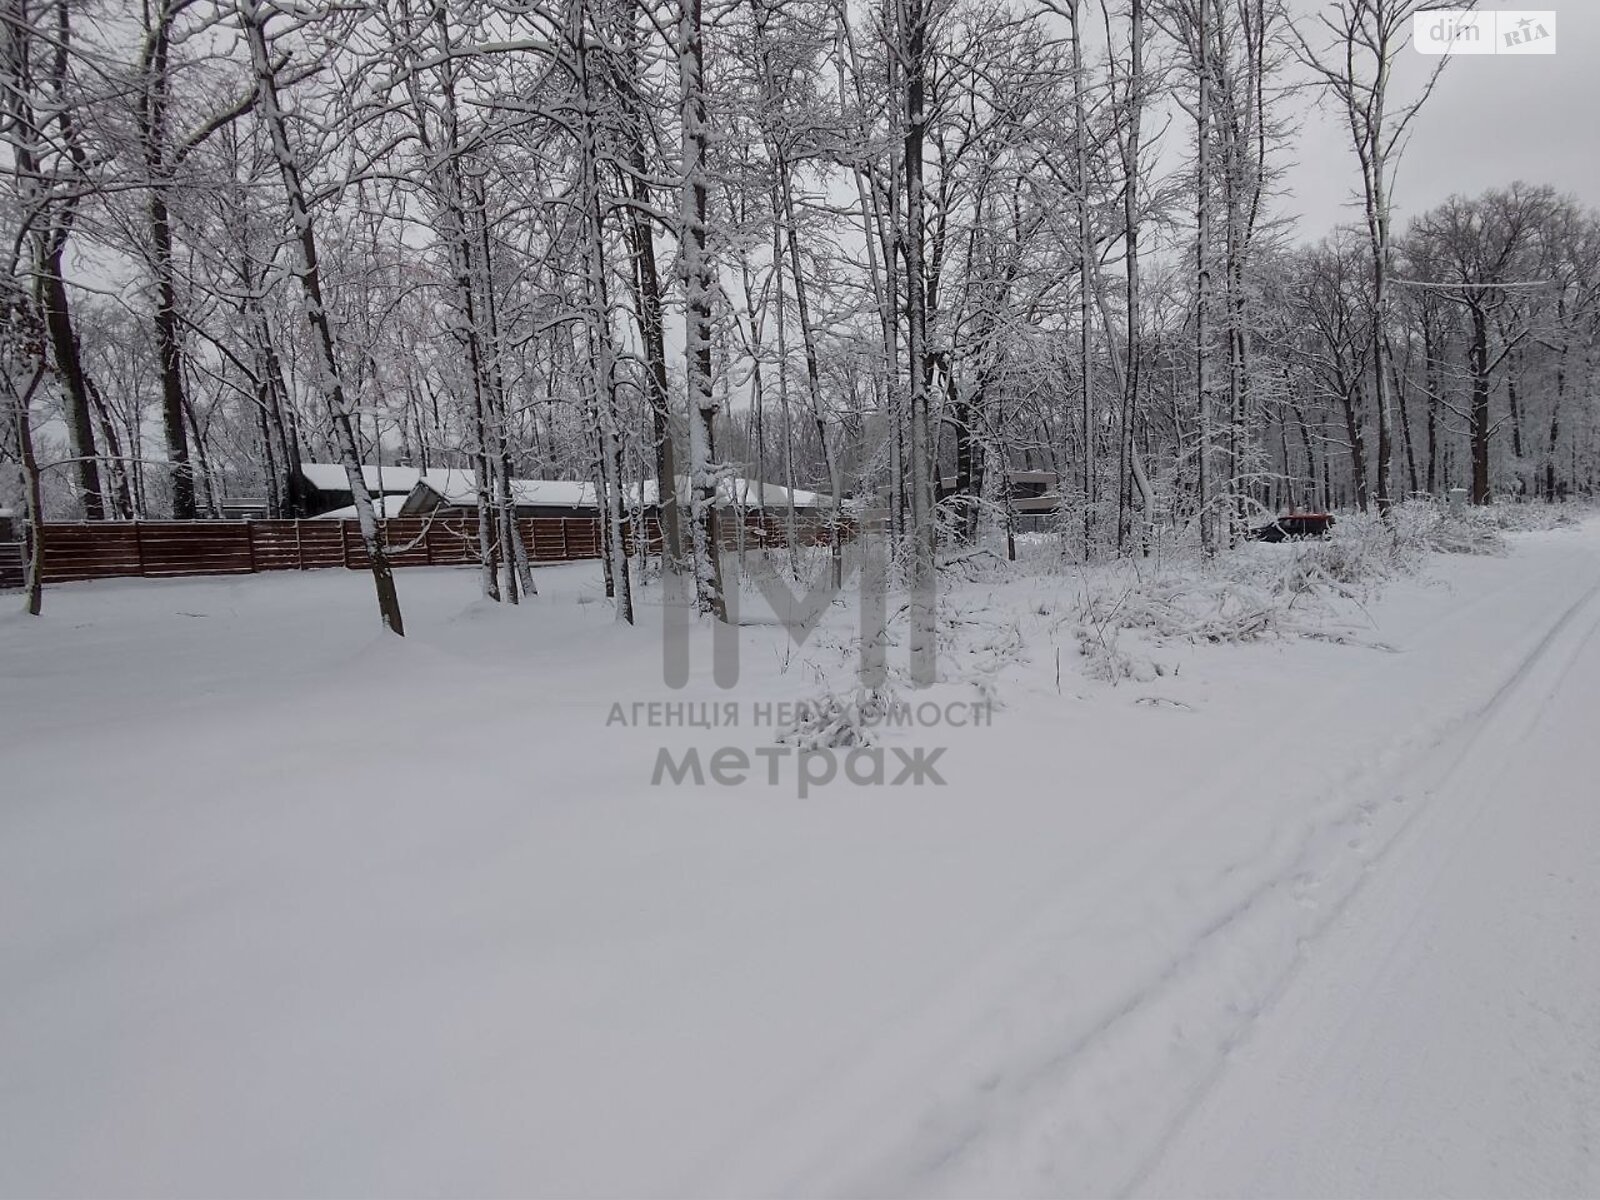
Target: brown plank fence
(165,549)
(11,574)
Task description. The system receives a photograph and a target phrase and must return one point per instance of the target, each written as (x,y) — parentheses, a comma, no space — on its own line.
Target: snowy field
(288,907)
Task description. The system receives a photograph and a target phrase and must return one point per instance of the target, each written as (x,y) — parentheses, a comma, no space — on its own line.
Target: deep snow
(287,907)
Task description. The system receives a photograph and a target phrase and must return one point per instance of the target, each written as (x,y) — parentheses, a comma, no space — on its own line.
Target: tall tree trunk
(699,285)
(1430,354)
(1353,395)
(518,571)
(1555,424)
(913,35)
(33,557)
(808,339)
(1380,347)
(53,304)
(1398,376)
(1514,404)
(603,384)
(272,395)
(1132,221)
(152,121)
(496,520)
(1080,159)
(1202,316)
(22,351)
(307,269)
(121,491)
(649,314)
(1478,368)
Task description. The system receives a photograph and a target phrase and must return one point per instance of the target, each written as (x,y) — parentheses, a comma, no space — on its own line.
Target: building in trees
(319,488)
(453,492)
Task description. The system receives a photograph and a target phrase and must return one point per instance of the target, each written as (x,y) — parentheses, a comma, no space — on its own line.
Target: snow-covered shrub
(1464,535)
(1365,549)
(974,565)
(1480,529)
(1531,517)
(831,720)
(1254,592)
(1105,661)
(1188,601)
(1258,591)
(1360,551)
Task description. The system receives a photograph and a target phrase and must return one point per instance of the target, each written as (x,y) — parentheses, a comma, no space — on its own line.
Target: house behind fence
(428,518)
(166,549)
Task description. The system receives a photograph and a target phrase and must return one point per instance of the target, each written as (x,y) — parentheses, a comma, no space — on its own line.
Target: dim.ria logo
(1440,31)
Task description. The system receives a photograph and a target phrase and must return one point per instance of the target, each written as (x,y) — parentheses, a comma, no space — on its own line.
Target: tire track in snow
(1460,752)
(1086,1111)
(1433,1008)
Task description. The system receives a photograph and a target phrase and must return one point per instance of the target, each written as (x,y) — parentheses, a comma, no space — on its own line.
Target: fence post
(250,545)
(299,550)
(138,547)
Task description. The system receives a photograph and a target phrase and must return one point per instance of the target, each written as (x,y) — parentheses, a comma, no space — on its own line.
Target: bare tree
(699,285)
(1356,69)
(307,270)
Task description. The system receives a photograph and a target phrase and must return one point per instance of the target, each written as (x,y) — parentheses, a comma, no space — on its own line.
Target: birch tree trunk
(603,384)
(33,498)
(252,18)
(22,369)
(698,288)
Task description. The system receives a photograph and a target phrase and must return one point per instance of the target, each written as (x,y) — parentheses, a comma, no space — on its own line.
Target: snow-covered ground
(288,907)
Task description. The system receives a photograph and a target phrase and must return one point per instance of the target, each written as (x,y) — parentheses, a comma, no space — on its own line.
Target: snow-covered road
(1442,1037)
(287,909)
(1195,1027)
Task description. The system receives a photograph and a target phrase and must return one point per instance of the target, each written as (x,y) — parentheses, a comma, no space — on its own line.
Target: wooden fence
(165,549)
(11,575)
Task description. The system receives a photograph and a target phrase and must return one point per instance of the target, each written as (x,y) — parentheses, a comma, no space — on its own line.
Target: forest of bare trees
(890,250)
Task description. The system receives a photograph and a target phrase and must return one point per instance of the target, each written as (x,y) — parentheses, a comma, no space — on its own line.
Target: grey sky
(1492,120)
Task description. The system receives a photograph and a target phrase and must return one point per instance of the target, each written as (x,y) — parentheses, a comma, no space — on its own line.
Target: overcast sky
(1492,120)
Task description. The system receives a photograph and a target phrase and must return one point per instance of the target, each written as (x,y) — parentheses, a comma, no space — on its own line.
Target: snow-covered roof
(753,494)
(384,506)
(331,477)
(458,487)
(747,492)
